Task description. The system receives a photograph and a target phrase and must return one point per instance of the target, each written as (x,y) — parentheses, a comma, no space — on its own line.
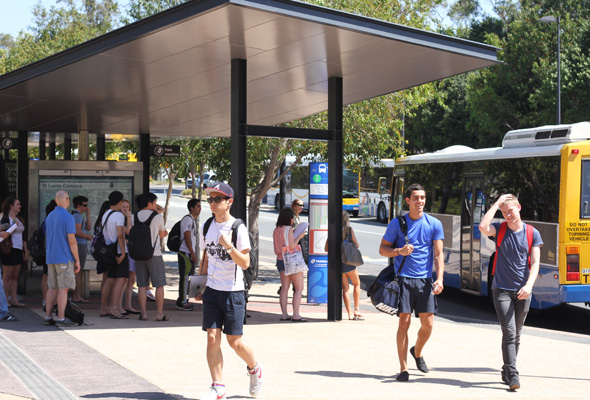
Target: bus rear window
(585,200)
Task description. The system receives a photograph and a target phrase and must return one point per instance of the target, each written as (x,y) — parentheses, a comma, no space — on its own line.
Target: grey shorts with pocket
(416,295)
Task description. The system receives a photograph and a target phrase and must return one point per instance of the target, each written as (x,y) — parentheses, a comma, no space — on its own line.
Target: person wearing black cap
(224,300)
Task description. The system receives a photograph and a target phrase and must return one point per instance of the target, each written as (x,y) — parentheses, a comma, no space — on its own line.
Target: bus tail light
(573,263)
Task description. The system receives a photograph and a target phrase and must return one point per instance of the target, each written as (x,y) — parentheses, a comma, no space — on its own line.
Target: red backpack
(500,237)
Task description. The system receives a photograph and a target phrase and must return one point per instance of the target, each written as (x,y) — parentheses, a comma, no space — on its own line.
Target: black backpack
(73,313)
(175,237)
(102,252)
(248,272)
(140,238)
(37,246)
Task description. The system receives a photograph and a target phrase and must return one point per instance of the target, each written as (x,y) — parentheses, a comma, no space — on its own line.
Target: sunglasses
(84,205)
(217,200)
(299,205)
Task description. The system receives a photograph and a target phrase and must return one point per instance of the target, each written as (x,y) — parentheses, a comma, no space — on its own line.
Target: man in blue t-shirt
(513,281)
(62,259)
(425,247)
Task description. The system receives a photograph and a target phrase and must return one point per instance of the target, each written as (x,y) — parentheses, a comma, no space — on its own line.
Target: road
(453,304)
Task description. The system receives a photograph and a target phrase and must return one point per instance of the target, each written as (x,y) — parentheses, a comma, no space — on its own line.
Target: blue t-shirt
(79,219)
(512,266)
(421,233)
(58,224)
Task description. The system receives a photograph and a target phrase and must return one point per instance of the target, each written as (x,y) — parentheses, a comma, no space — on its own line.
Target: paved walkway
(132,359)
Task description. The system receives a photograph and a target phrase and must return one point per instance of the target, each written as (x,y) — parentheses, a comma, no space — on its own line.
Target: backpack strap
(149,220)
(403,224)
(234,240)
(499,238)
(529,237)
(206,226)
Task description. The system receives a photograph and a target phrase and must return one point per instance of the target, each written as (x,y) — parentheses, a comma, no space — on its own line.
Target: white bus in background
(297,187)
(375,189)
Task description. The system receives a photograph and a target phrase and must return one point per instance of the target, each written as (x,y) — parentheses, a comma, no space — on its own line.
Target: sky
(16,15)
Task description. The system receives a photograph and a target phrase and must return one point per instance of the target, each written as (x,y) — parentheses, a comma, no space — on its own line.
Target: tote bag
(293,259)
(351,255)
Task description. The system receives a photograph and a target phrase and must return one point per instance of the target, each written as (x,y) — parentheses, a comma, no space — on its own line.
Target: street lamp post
(549,19)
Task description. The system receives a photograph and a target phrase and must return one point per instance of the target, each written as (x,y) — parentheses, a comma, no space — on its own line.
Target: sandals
(164,318)
(142,318)
(120,316)
(358,317)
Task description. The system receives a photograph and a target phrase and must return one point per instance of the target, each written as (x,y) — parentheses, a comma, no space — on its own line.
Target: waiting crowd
(127,247)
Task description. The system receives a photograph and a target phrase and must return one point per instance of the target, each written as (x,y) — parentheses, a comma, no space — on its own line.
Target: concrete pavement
(132,359)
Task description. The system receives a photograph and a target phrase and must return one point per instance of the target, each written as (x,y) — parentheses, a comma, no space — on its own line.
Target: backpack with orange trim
(500,237)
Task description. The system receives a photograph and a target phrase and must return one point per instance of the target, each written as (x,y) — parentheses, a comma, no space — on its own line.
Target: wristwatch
(230,250)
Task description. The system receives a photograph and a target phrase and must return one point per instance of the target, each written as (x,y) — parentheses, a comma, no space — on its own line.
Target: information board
(96,189)
(317,278)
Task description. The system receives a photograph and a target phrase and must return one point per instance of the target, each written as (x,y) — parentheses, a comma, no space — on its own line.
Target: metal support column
(283,188)
(335,152)
(144,156)
(100,147)
(41,145)
(22,163)
(67,147)
(238,138)
(83,145)
(51,148)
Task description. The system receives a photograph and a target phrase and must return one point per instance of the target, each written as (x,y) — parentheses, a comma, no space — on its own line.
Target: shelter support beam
(144,154)
(100,147)
(335,152)
(83,145)
(238,137)
(67,147)
(42,145)
(282,132)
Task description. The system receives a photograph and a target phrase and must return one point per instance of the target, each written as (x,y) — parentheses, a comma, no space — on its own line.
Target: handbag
(293,259)
(384,292)
(351,255)
(6,245)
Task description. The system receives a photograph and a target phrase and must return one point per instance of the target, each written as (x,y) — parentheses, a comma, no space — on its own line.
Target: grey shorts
(153,269)
(61,276)
(416,295)
(82,254)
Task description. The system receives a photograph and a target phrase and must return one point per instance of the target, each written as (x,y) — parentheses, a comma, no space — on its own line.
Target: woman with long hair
(284,225)
(12,261)
(128,290)
(350,272)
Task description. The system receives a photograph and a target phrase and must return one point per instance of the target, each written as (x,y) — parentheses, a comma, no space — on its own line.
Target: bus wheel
(277,201)
(355,214)
(381,213)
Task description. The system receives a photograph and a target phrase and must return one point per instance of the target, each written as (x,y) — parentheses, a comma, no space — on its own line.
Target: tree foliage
(58,28)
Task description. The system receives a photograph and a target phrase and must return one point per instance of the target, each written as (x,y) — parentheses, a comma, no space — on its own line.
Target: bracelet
(396,250)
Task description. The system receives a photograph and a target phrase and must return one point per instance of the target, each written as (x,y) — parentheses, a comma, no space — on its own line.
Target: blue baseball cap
(220,187)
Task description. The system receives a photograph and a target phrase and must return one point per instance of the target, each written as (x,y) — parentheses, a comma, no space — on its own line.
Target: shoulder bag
(293,259)
(351,255)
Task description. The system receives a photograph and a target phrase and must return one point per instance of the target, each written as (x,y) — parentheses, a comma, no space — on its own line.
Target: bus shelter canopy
(169,75)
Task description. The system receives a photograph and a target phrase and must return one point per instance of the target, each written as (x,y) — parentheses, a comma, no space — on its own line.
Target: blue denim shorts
(224,310)
(416,295)
(280,265)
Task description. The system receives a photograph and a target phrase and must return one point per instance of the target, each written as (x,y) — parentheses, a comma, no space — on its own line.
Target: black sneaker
(48,321)
(9,318)
(420,363)
(64,322)
(184,307)
(514,383)
(403,376)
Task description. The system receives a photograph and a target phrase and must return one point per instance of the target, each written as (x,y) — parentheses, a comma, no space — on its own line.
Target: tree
(521,92)
(59,28)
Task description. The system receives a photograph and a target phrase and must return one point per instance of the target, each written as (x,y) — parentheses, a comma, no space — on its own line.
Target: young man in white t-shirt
(154,268)
(187,256)
(224,299)
(118,272)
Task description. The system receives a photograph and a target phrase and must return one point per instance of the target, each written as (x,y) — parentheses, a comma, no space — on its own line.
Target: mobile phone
(4,226)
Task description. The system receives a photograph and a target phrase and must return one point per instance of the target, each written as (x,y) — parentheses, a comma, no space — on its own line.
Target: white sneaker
(215,393)
(255,380)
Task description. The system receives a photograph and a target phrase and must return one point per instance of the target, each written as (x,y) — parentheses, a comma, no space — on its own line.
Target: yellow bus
(548,168)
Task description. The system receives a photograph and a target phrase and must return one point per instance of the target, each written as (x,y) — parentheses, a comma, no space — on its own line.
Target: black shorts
(224,310)
(416,295)
(116,271)
(15,257)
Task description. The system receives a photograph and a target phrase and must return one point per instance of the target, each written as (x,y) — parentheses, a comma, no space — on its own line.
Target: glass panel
(585,203)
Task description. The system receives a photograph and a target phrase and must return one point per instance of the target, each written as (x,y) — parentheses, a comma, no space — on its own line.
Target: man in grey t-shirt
(513,281)
(81,213)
